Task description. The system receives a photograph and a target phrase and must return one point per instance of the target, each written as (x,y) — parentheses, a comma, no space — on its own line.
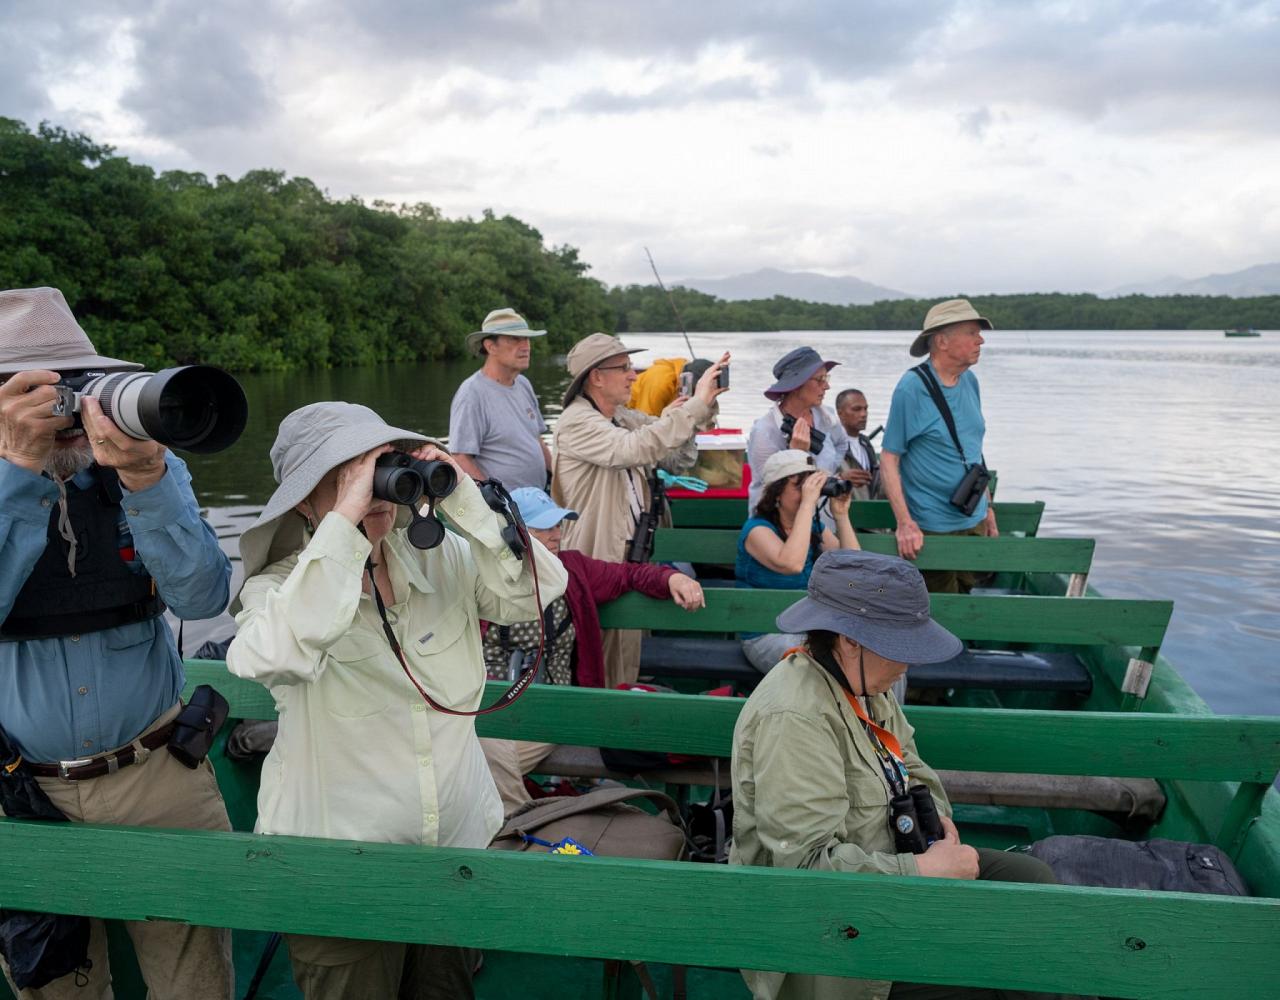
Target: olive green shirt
(809,792)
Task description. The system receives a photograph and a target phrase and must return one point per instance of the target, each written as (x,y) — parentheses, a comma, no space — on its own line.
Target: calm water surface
(1164,446)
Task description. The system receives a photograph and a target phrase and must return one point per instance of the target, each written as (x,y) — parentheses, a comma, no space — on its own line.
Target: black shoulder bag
(968,494)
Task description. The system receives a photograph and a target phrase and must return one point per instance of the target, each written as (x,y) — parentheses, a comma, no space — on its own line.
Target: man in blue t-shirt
(920,464)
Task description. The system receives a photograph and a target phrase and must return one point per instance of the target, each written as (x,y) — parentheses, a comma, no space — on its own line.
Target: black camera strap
(940,401)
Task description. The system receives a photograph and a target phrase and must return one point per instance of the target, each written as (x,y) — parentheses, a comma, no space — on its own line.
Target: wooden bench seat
(712,660)
(1021,518)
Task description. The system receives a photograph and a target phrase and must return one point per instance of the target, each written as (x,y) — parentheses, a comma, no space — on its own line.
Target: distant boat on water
(1241,331)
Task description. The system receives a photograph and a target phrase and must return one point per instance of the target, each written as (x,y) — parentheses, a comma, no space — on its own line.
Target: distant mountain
(1263,279)
(804,285)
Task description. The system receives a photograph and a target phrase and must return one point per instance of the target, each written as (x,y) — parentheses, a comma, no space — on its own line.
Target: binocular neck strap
(888,749)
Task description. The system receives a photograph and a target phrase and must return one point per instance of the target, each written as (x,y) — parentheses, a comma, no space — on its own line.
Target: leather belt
(108,763)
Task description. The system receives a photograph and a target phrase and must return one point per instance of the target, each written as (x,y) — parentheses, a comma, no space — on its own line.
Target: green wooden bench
(1006,554)
(1021,518)
(1080,622)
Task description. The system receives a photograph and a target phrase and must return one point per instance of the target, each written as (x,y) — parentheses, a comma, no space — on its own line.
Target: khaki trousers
(621,656)
(952,581)
(509,761)
(178,961)
(348,969)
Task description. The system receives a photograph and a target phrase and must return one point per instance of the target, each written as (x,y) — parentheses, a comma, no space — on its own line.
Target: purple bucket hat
(794,369)
(878,601)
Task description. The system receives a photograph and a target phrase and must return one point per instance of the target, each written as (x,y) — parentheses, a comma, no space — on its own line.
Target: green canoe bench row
(1020,518)
(1079,622)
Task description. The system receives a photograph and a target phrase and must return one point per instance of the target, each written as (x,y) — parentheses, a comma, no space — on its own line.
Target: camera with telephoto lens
(816,437)
(969,493)
(834,487)
(197,408)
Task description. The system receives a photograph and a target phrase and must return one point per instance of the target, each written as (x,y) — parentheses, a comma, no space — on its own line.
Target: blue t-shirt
(751,573)
(930,465)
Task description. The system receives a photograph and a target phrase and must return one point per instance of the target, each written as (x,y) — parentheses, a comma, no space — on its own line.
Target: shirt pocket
(439,650)
(360,676)
(868,816)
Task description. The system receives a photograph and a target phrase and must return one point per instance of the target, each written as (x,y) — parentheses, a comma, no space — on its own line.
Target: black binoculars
(834,487)
(403,479)
(816,437)
(915,821)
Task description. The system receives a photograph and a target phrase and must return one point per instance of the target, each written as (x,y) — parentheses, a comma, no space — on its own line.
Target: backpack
(1163,865)
(600,821)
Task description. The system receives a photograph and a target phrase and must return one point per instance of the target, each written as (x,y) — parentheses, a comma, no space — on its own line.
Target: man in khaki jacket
(603,454)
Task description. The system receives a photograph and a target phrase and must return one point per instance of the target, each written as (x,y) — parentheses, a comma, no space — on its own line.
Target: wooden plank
(1007,554)
(1209,747)
(1012,517)
(1112,942)
(1079,621)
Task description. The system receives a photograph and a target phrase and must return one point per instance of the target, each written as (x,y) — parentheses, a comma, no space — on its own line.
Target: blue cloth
(72,697)
(929,463)
(751,573)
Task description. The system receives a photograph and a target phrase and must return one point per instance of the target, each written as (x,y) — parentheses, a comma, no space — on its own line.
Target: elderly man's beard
(68,458)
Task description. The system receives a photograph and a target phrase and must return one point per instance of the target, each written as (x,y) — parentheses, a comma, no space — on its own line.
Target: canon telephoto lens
(396,479)
(196,408)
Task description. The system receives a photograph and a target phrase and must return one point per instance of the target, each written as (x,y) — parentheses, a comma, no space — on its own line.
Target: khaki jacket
(598,462)
(808,792)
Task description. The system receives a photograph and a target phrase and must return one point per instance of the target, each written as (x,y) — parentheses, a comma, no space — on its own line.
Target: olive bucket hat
(502,322)
(944,314)
(588,353)
(311,441)
(878,601)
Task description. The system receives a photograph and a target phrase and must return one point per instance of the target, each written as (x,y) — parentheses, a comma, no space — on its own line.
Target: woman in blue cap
(822,750)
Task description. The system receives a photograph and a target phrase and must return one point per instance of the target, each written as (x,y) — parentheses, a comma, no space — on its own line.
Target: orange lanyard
(884,739)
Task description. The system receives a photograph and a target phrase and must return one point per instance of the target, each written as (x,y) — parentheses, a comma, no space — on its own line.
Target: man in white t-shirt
(495,422)
(861,466)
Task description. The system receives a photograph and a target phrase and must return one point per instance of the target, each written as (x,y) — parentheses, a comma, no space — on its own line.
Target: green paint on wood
(1211,747)
(1012,517)
(1017,936)
(1009,554)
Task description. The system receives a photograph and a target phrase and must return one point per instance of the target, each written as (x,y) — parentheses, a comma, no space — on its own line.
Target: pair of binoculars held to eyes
(403,479)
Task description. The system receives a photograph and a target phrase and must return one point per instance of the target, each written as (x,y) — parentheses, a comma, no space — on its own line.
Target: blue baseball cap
(538,510)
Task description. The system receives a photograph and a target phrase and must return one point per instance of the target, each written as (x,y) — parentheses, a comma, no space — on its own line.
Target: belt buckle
(65,766)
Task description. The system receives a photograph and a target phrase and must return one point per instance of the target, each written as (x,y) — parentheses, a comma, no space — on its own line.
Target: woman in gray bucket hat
(822,748)
(359,755)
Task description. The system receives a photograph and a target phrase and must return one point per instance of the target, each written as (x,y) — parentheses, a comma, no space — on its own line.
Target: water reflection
(1162,446)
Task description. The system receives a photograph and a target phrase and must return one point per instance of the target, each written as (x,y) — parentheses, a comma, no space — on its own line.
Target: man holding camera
(603,456)
(99,532)
(495,422)
(932,451)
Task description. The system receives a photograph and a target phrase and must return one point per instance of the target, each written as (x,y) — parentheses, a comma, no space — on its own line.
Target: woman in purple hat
(797,419)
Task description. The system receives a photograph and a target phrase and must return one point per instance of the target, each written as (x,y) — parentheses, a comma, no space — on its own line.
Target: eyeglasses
(628,367)
(822,378)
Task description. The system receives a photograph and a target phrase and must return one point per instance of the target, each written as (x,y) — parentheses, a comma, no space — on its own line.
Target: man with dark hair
(922,464)
(495,422)
(99,532)
(860,466)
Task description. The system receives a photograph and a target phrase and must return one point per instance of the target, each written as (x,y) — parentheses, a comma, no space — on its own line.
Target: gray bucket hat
(794,369)
(311,441)
(38,330)
(879,601)
(504,322)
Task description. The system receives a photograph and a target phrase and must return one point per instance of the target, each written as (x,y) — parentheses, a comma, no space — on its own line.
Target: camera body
(197,408)
(686,383)
(968,494)
(834,487)
(688,379)
(817,438)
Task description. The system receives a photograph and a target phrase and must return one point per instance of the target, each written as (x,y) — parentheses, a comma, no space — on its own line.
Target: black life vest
(104,592)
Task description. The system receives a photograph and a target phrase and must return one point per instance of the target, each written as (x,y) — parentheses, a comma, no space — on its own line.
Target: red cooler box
(722,462)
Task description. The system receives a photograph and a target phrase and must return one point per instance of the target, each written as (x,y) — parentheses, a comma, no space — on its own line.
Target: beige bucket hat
(503,322)
(589,352)
(786,463)
(38,330)
(944,314)
(311,441)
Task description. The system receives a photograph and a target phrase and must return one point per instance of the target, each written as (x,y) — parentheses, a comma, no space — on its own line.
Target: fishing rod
(672,301)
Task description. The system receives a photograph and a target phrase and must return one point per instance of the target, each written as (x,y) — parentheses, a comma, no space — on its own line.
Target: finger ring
(100,441)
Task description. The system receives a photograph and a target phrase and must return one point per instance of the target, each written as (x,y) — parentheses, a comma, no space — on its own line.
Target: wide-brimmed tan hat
(589,352)
(38,330)
(944,314)
(784,464)
(503,322)
(311,441)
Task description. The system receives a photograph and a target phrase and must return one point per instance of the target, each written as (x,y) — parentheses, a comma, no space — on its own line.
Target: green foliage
(644,307)
(266,272)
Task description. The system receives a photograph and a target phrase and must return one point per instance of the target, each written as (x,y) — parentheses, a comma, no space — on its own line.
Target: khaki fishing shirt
(809,792)
(359,754)
(601,467)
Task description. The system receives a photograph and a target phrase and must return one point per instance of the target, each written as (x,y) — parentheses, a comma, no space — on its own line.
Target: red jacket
(593,582)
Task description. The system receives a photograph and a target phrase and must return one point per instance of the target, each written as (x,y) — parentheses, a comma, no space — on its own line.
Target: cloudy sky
(932,146)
